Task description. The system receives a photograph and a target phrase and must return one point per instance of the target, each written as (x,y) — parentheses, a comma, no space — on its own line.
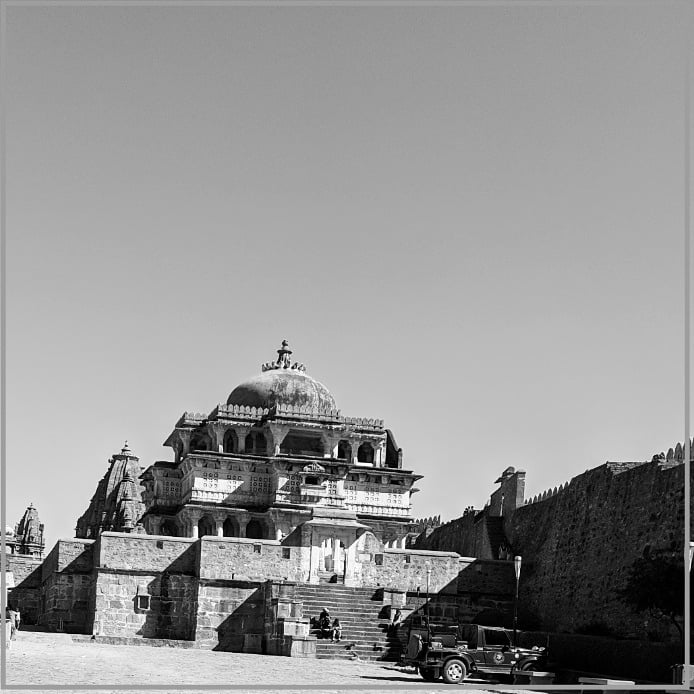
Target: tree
(656,582)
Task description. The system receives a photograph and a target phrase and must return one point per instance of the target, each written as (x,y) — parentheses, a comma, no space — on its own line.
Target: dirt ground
(44,659)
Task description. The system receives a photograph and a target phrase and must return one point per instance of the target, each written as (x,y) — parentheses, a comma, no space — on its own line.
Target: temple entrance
(332,559)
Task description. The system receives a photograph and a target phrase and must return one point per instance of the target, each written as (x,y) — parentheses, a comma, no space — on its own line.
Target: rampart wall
(579,541)
(579,544)
(467,535)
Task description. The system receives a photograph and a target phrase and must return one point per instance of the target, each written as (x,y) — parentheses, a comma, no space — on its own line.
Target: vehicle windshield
(493,637)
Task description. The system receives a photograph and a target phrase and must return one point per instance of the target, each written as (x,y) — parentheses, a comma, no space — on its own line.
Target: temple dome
(283,383)
(283,387)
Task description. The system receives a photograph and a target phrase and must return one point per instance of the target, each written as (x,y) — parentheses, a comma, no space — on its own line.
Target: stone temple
(277,461)
(274,506)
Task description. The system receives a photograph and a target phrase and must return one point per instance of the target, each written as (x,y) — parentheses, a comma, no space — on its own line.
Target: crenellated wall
(578,541)
(578,545)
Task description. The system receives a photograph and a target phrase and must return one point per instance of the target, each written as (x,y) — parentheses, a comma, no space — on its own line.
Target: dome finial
(283,360)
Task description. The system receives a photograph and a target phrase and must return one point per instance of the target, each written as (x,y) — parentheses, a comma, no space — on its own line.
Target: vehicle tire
(454,671)
(429,674)
(529,666)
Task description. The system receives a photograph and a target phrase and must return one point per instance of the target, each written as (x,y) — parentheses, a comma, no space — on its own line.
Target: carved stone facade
(278,461)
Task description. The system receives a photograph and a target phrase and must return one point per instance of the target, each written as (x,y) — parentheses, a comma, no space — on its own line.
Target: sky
(466,221)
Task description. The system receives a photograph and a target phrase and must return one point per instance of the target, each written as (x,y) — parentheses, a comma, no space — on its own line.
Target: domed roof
(283,383)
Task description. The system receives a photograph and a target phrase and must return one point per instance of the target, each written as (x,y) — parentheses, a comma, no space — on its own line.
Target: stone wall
(149,553)
(407,570)
(159,570)
(169,615)
(241,559)
(26,594)
(67,586)
(467,535)
(579,544)
(230,614)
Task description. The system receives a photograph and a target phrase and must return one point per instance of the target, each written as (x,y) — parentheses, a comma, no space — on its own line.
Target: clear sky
(467,221)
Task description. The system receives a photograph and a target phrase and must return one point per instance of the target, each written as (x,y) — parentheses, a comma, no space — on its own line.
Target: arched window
(230,528)
(312,480)
(249,443)
(206,526)
(301,444)
(254,530)
(260,444)
(344,450)
(230,441)
(365,454)
(200,442)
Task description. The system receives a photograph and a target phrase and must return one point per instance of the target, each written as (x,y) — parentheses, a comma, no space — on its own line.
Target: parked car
(454,653)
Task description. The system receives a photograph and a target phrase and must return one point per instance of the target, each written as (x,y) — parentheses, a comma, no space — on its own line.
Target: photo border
(685,6)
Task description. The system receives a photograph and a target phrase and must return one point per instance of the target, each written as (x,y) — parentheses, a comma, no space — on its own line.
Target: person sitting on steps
(324,623)
(336,631)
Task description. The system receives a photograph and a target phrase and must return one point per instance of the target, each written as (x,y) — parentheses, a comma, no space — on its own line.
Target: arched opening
(230,528)
(168,527)
(200,442)
(230,441)
(312,479)
(365,454)
(344,450)
(302,444)
(256,443)
(254,530)
(206,526)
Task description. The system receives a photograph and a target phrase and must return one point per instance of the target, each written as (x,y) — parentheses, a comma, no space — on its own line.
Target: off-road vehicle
(456,652)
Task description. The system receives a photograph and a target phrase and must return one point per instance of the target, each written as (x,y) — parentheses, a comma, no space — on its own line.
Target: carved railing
(240,412)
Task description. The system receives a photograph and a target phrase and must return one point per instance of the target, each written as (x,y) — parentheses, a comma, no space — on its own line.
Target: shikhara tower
(278,461)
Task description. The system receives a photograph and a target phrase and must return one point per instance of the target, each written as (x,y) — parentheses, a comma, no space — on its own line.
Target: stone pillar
(195,529)
(241,440)
(336,555)
(220,527)
(350,561)
(355,450)
(315,558)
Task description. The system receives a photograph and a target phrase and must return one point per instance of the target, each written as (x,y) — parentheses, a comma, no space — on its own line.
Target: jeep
(454,653)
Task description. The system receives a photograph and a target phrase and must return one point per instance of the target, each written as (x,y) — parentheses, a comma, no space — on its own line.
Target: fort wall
(579,544)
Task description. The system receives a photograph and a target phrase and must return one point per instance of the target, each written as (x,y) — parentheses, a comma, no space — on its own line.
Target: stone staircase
(364,633)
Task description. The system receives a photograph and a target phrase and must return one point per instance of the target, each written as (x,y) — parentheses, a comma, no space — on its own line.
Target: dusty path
(53,659)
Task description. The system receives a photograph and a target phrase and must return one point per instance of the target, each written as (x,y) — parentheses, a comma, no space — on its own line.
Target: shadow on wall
(169,601)
(243,627)
(67,593)
(25,596)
